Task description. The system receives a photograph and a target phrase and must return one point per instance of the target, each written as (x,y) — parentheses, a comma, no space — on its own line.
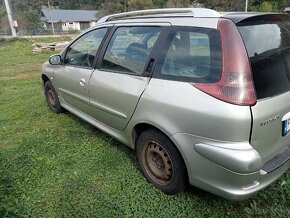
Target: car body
(202,96)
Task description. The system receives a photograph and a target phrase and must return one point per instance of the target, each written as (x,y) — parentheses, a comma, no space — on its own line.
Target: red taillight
(236,84)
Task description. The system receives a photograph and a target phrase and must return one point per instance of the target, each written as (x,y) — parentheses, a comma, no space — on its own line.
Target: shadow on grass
(130,153)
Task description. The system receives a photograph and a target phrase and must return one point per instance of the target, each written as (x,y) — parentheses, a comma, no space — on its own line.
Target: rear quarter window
(268,46)
(190,54)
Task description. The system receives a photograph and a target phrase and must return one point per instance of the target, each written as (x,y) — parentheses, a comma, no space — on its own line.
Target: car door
(120,78)
(72,76)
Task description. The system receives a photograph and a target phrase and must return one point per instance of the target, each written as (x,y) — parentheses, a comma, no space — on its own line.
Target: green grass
(59,166)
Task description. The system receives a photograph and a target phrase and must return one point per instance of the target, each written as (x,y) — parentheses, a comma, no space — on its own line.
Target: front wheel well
(44,78)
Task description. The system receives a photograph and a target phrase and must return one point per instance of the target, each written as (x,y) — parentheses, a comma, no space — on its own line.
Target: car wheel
(52,98)
(161,162)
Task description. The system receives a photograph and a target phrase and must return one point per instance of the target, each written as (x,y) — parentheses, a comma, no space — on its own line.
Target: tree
(32,18)
(140,4)
(4,24)
(113,6)
(224,5)
(263,6)
(266,7)
(159,3)
(177,3)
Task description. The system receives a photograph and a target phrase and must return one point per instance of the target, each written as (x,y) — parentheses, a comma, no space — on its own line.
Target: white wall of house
(67,26)
(93,23)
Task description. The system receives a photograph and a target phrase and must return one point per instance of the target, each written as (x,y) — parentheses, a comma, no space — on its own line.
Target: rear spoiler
(243,18)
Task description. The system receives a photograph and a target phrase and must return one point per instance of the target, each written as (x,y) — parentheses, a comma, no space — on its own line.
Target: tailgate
(267,39)
(270,131)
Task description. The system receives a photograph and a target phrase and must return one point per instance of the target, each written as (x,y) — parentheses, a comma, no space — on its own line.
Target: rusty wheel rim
(157,163)
(51,97)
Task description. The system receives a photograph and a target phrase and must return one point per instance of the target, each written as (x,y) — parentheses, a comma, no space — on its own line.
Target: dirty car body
(203,97)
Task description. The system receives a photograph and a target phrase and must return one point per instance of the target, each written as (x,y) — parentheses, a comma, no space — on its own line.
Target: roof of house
(57,15)
(287,9)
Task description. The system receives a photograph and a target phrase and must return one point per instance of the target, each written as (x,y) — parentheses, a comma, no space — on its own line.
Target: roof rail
(195,12)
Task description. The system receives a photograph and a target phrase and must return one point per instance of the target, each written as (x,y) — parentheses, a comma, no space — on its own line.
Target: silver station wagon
(203,97)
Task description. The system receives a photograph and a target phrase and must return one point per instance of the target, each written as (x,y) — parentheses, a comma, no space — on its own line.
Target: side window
(191,55)
(83,51)
(128,49)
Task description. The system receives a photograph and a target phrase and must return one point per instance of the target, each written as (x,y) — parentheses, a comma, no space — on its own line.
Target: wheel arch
(141,127)
(44,78)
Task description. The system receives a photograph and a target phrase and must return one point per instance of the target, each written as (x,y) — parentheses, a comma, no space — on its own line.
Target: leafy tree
(140,4)
(266,7)
(4,19)
(270,5)
(224,5)
(177,3)
(110,7)
(113,6)
(32,19)
(159,3)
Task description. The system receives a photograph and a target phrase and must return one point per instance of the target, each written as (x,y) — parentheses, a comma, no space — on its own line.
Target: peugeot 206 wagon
(203,97)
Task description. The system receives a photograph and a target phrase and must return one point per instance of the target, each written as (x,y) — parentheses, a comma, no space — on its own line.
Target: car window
(191,54)
(83,51)
(151,40)
(128,50)
(268,46)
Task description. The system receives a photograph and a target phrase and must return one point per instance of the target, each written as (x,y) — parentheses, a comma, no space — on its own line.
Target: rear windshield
(190,54)
(268,46)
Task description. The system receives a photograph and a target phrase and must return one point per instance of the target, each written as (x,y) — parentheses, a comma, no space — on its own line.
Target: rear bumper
(230,170)
(278,161)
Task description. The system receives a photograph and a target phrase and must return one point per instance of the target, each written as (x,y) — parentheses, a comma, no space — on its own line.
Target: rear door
(267,39)
(122,73)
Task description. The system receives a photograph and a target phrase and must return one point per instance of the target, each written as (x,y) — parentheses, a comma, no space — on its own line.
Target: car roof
(165,12)
(150,14)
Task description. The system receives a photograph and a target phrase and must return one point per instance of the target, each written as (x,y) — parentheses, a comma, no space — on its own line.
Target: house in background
(287,10)
(68,20)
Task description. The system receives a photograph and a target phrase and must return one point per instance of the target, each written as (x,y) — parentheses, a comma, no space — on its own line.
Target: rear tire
(52,98)
(161,162)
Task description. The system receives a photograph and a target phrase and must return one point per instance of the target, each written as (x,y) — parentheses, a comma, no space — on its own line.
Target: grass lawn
(59,166)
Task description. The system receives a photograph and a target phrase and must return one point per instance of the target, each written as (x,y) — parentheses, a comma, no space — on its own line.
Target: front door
(72,77)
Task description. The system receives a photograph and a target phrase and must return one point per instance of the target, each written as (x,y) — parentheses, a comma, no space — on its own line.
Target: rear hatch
(267,39)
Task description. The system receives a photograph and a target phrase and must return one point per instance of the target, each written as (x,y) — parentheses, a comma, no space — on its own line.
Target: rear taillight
(236,84)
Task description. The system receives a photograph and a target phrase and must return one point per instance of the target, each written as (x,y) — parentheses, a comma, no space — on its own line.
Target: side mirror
(54,59)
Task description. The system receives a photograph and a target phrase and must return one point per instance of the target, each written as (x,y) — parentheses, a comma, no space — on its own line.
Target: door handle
(82,82)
